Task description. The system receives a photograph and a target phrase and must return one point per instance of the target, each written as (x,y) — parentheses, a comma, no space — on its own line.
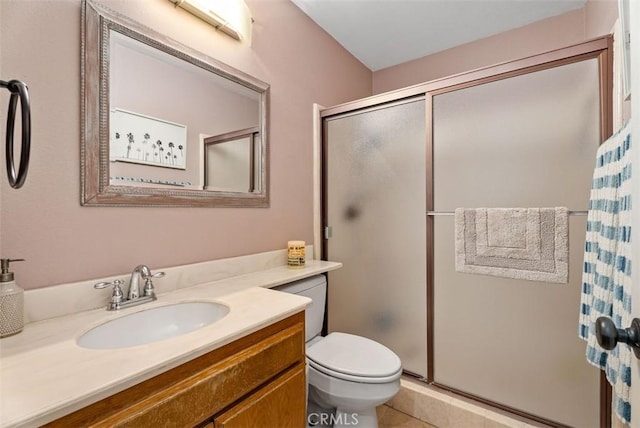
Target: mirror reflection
(162,111)
(230,161)
(177,128)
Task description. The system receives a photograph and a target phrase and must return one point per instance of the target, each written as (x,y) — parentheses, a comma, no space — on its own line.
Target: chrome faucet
(134,282)
(133,296)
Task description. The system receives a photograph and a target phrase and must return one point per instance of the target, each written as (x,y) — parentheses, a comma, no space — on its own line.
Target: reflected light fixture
(232,17)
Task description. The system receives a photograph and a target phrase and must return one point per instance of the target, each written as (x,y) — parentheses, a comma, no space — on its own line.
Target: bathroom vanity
(256,380)
(243,370)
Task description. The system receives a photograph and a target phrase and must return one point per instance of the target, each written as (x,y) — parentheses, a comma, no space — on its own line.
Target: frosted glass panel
(528,141)
(376,188)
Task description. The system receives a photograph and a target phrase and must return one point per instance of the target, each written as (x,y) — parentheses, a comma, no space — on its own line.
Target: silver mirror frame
(96,189)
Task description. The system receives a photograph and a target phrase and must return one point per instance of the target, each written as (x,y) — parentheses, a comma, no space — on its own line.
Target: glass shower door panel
(376,183)
(527,141)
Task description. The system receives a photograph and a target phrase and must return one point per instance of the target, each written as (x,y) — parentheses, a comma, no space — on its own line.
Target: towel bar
(437,213)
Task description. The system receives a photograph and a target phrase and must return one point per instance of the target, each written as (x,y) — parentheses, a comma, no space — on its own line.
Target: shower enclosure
(519,134)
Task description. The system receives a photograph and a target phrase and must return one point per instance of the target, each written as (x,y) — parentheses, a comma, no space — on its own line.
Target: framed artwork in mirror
(140,139)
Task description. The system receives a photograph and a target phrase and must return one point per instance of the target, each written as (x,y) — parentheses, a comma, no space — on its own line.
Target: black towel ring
(18,90)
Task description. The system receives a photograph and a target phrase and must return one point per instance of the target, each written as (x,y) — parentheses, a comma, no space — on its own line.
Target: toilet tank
(315,288)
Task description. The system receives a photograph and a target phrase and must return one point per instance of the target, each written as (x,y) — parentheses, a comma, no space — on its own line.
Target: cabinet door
(280,403)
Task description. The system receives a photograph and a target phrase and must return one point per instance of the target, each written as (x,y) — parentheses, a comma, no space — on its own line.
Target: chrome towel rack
(19,91)
(438,213)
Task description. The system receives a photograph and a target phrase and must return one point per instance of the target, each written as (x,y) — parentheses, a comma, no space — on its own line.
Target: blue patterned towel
(606,279)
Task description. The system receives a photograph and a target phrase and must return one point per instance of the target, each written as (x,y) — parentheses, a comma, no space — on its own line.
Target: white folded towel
(520,243)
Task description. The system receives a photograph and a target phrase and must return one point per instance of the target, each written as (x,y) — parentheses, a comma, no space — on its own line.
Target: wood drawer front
(278,404)
(184,397)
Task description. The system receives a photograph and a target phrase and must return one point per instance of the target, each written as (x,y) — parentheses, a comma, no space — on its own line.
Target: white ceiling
(382,33)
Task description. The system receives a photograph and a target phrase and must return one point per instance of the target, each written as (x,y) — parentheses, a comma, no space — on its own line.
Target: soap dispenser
(11,301)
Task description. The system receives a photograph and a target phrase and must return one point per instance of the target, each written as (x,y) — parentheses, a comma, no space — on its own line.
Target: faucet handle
(116,283)
(148,284)
(117,296)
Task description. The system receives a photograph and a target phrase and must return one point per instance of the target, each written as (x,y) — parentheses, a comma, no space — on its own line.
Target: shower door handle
(609,336)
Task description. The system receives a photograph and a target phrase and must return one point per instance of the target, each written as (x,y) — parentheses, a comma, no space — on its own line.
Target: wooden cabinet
(256,381)
(275,405)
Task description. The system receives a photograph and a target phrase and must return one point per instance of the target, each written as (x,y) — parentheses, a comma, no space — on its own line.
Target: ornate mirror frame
(96,189)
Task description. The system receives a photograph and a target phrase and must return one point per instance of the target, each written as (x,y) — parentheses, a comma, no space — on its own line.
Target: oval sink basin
(152,325)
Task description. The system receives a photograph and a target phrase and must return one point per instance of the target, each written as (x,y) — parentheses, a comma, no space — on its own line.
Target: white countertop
(44,374)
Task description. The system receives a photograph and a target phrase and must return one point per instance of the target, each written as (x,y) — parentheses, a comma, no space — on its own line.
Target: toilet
(348,375)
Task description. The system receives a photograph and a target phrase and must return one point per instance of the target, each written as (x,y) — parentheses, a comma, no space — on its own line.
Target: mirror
(229,161)
(164,125)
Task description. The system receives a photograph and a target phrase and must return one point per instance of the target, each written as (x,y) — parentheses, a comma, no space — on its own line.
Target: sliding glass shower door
(375,186)
(517,135)
(527,141)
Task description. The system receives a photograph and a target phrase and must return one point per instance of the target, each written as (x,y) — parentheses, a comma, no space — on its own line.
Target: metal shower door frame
(600,48)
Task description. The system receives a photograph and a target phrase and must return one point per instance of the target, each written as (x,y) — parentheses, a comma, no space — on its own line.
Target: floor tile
(391,418)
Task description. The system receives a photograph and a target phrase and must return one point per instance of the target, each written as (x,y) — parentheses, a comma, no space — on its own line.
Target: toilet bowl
(354,375)
(349,375)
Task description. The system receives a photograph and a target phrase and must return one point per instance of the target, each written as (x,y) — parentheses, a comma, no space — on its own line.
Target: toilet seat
(354,358)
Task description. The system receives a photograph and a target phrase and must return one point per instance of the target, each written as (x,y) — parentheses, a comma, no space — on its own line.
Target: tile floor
(419,406)
(420,403)
(391,418)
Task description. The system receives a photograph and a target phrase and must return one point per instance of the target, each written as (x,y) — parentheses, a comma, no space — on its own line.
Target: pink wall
(593,20)
(599,17)
(44,223)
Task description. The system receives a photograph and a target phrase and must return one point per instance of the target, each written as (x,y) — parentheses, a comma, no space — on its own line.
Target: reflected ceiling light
(232,17)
